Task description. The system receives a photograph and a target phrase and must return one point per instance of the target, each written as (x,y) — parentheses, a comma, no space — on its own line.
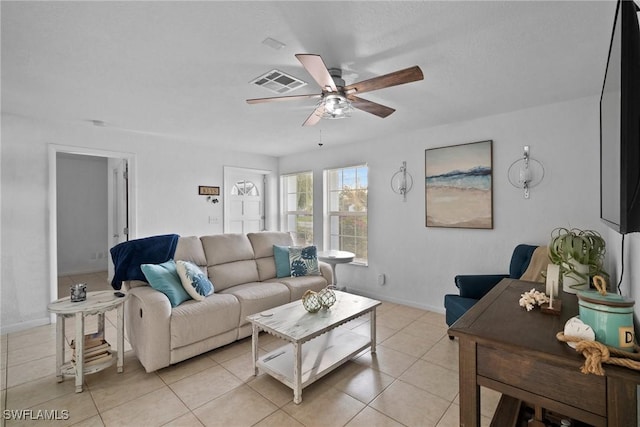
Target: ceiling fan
(336,99)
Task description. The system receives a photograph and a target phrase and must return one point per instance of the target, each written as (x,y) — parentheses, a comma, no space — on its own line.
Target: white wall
(630,284)
(82,213)
(168,173)
(420,262)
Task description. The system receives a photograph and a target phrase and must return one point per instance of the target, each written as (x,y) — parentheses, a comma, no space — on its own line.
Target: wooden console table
(505,348)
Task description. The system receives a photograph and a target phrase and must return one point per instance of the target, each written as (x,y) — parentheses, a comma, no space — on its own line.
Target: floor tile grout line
(87,388)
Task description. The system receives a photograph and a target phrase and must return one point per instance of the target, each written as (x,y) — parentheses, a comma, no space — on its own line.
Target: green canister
(610,316)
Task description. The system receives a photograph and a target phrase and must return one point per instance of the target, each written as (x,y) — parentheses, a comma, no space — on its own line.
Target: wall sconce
(402,182)
(526,172)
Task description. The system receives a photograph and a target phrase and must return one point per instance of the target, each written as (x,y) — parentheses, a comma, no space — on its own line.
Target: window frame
(285,212)
(328,213)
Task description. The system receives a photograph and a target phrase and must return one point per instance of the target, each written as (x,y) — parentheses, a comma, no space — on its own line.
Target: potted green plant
(580,255)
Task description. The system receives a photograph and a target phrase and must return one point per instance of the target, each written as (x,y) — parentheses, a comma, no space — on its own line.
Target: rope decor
(596,354)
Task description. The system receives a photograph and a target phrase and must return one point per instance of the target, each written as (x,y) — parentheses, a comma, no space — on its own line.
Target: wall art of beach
(458,185)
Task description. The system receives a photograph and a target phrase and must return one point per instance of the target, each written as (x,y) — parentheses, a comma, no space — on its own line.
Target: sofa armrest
(476,286)
(148,322)
(326,272)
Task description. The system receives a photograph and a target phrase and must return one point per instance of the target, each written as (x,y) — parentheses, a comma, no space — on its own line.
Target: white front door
(244,201)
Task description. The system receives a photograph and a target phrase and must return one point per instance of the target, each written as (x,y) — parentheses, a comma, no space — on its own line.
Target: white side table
(336,257)
(97,303)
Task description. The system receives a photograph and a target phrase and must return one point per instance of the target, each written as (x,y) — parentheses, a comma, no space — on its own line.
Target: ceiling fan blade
(370,107)
(314,117)
(282,98)
(407,75)
(318,70)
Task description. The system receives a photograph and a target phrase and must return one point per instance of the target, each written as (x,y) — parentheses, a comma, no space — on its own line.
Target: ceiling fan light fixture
(337,100)
(334,106)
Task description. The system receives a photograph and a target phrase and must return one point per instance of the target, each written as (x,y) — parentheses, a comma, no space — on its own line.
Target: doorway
(115,196)
(244,196)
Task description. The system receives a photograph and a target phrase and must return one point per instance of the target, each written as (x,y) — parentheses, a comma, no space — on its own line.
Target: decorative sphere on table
(327,298)
(311,302)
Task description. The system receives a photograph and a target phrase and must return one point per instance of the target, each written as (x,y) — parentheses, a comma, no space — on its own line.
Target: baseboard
(367,293)
(17,327)
(78,272)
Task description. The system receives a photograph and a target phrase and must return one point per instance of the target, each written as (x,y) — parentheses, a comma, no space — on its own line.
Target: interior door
(244,202)
(119,208)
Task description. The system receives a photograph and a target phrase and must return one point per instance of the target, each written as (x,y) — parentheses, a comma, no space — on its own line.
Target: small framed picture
(205,190)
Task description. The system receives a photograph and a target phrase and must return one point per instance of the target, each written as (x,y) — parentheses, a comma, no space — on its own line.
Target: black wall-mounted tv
(620,124)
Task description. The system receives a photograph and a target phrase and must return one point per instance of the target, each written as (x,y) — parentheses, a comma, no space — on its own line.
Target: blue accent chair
(474,287)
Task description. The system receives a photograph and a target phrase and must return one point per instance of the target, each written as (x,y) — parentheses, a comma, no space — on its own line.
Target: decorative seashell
(577,328)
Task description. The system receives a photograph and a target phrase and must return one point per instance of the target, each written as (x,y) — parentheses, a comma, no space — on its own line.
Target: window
(346,210)
(297,211)
(244,188)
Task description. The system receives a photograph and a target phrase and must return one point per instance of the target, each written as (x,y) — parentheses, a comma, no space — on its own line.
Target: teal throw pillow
(281,257)
(194,280)
(304,261)
(164,278)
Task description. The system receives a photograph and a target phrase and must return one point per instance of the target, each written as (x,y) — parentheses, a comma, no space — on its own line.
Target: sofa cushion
(304,261)
(281,258)
(190,249)
(258,296)
(194,281)
(225,248)
(230,260)
(164,278)
(233,273)
(263,242)
(194,321)
(299,285)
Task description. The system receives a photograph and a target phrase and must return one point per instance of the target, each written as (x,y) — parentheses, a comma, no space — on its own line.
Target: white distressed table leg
(101,323)
(297,373)
(120,353)
(373,331)
(255,332)
(59,347)
(79,351)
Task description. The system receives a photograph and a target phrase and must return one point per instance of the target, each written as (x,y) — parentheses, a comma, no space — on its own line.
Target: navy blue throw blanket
(127,256)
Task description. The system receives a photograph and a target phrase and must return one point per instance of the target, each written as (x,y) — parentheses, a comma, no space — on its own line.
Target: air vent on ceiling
(278,82)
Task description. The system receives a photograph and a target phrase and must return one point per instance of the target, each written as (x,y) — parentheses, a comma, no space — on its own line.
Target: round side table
(97,303)
(335,257)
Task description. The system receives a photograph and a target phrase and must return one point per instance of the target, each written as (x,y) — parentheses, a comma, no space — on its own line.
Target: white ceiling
(182,69)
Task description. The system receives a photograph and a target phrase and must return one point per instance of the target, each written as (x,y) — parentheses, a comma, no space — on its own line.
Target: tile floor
(412,380)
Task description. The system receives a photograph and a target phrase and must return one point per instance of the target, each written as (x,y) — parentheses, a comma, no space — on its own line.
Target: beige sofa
(242,270)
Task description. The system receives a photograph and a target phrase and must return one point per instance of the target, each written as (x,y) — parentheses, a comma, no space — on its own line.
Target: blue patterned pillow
(281,258)
(164,278)
(193,280)
(304,261)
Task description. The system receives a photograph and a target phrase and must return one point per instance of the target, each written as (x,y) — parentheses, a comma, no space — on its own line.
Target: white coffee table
(327,343)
